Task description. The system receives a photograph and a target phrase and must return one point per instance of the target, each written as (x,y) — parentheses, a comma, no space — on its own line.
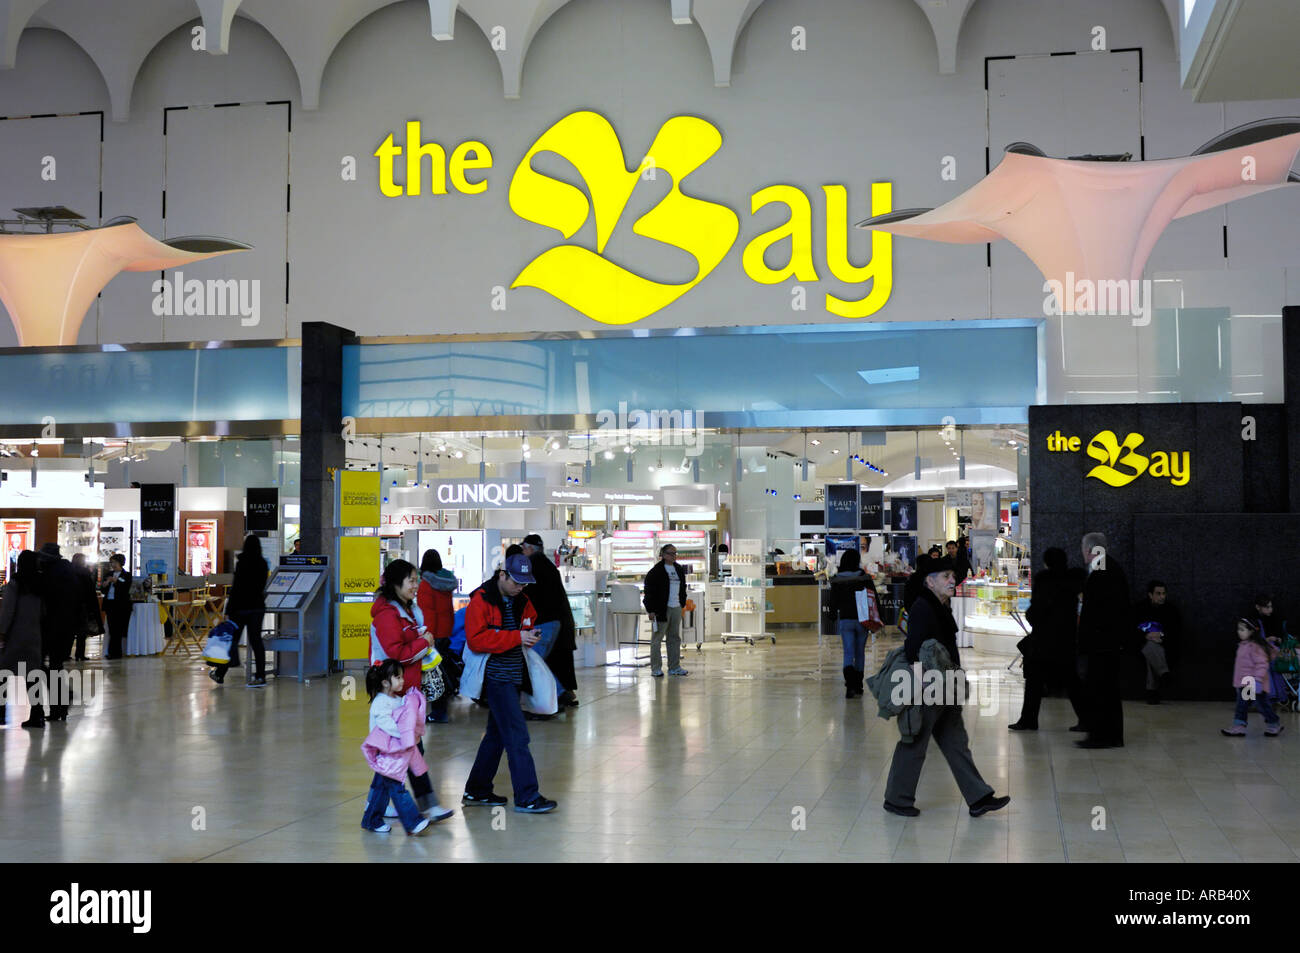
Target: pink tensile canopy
(1100,220)
(48,280)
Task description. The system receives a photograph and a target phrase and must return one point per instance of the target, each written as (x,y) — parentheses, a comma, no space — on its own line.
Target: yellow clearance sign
(358,498)
(354,630)
(606,291)
(358,564)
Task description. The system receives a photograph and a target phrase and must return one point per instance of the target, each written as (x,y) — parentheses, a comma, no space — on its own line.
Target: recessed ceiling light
(609,454)
(815,443)
(834,451)
(460,454)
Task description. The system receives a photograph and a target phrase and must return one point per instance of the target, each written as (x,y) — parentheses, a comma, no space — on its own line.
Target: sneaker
(255,682)
(989,802)
(488,800)
(538,805)
(902,811)
(657,672)
(419,828)
(678,671)
(1272,731)
(438,813)
(1236,731)
(381,829)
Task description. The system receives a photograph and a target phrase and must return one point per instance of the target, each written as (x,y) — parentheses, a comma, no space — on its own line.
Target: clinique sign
(607,292)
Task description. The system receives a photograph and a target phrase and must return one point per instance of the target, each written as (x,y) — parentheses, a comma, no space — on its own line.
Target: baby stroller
(1286,675)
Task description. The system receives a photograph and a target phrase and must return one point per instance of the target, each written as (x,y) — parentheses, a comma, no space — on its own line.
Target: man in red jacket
(499,622)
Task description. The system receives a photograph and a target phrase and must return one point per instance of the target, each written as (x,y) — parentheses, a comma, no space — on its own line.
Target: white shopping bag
(471,679)
(544,698)
(868,611)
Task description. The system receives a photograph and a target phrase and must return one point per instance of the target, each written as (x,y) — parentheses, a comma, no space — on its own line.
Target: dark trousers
(560,662)
(1104,710)
(1039,681)
(118,624)
(250,621)
(422,785)
(506,732)
(944,724)
(55,690)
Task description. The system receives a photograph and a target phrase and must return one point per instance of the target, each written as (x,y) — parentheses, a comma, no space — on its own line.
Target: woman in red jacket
(397,631)
(434,598)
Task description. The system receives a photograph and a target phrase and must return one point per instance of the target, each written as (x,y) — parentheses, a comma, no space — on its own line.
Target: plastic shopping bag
(216,650)
(544,698)
(471,679)
(868,611)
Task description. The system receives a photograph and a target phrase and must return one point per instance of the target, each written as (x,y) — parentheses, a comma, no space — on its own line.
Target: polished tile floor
(756,756)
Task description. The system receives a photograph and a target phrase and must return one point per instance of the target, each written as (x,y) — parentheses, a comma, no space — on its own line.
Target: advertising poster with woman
(18,536)
(984,512)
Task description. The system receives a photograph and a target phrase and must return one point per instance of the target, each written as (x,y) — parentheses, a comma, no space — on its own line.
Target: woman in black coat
(245,607)
(20,626)
(847,582)
(117,604)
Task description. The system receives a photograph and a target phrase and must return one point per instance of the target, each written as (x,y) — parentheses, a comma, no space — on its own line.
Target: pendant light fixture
(848,464)
(586,467)
(740,463)
(917,471)
(482,458)
(804,461)
(523,460)
(695,469)
(419,459)
(961,460)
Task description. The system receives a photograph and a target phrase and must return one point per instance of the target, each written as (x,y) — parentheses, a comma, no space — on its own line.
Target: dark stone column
(322,429)
(1291,385)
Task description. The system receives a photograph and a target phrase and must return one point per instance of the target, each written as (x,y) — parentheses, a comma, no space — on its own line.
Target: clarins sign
(603,289)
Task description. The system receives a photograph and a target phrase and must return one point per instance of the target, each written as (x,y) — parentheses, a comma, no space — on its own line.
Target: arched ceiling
(119,40)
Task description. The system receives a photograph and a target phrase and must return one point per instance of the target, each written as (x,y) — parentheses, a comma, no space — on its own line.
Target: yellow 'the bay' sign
(608,292)
(358,497)
(1119,463)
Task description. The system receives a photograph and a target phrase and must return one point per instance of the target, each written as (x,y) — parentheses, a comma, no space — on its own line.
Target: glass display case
(583,604)
(632,554)
(79,534)
(692,547)
(988,611)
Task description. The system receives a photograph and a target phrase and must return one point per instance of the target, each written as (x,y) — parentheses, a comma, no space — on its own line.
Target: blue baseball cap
(520,569)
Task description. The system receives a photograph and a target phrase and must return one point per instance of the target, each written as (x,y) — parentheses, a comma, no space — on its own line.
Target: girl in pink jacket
(396,722)
(1250,680)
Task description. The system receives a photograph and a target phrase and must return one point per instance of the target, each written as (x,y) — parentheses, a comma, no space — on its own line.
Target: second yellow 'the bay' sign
(1119,463)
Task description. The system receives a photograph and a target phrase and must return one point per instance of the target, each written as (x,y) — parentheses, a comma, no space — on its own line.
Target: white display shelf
(748,574)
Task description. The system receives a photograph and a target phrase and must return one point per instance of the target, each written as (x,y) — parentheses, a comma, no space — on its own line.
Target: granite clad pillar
(322,429)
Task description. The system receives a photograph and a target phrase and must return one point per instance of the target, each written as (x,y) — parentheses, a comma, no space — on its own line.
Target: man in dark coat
(931,618)
(1159,630)
(1104,625)
(552,604)
(1050,649)
(65,605)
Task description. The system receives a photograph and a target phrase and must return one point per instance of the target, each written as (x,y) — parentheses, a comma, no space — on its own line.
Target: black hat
(928,564)
(532,539)
(50,550)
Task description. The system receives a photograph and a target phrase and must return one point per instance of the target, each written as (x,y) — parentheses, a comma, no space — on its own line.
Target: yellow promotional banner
(359,496)
(354,630)
(358,564)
